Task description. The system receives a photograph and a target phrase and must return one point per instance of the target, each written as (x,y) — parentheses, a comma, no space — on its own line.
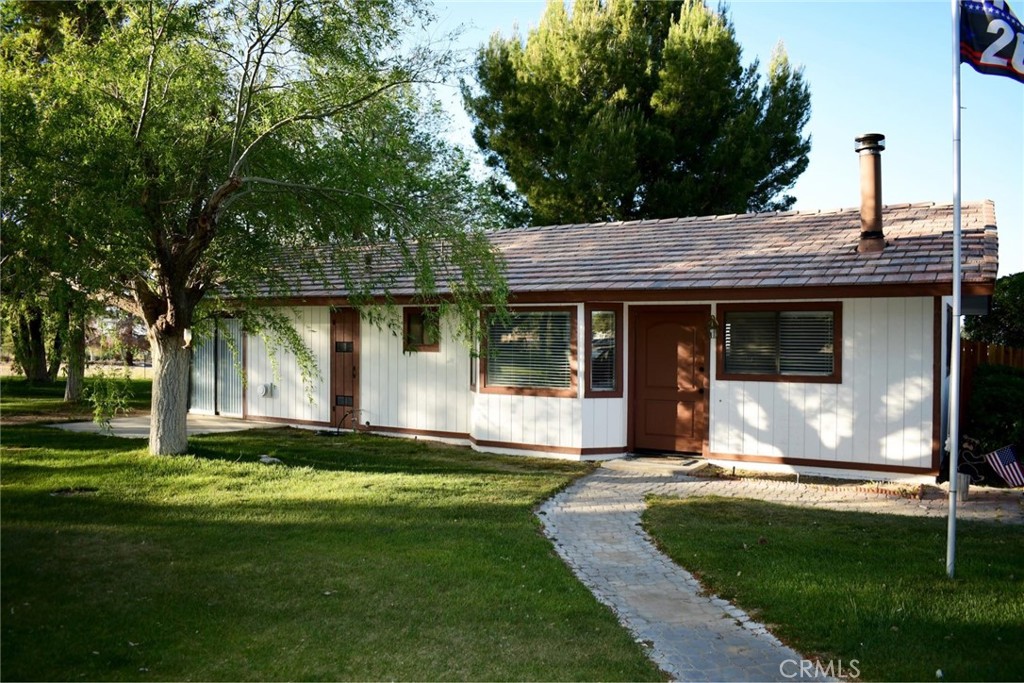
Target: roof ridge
(670,220)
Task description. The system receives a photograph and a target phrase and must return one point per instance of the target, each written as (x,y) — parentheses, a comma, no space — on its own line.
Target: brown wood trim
(710,294)
(704,294)
(437,434)
(937,363)
(287,421)
(357,350)
(410,347)
(837,335)
(571,392)
(540,448)
(832,464)
(588,310)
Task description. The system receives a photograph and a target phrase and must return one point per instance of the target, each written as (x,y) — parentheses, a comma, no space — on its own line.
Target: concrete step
(668,464)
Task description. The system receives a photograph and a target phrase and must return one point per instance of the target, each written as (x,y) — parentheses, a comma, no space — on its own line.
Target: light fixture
(712,327)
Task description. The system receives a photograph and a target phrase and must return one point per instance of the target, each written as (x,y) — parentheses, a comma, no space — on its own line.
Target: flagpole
(954,341)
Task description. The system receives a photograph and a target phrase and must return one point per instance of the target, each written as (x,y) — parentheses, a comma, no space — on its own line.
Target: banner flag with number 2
(992,38)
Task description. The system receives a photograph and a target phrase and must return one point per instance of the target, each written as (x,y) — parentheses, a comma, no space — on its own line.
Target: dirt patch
(74,491)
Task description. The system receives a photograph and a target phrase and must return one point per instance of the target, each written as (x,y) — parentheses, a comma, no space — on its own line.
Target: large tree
(192,148)
(624,109)
(46,316)
(1004,324)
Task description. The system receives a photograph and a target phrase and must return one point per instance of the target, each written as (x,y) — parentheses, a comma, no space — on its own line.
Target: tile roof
(789,249)
(733,252)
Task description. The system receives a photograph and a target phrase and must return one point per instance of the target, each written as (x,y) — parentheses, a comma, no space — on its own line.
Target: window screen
(603,353)
(784,343)
(530,349)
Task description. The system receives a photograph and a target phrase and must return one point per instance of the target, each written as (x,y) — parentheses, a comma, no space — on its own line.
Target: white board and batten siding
(424,391)
(216,372)
(528,420)
(880,414)
(289,398)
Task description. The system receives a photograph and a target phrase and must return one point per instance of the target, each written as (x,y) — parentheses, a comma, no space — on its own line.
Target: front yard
(860,587)
(359,558)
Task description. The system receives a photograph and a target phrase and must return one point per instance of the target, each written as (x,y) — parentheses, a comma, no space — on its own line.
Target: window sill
(531,391)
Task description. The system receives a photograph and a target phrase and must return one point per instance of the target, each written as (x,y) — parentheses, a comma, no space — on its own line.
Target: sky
(872,67)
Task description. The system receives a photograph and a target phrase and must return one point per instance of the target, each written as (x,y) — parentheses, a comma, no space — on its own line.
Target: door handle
(353,372)
(701,391)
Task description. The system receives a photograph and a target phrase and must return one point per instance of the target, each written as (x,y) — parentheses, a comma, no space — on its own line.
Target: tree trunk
(167,431)
(75,358)
(30,347)
(57,352)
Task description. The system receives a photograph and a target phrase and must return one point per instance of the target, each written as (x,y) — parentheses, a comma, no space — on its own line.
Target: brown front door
(669,383)
(345,368)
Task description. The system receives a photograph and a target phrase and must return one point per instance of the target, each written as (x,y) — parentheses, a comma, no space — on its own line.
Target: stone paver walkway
(595,525)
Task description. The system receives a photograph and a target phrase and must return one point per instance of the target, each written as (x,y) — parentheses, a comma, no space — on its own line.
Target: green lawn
(18,398)
(361,558)
(853,586)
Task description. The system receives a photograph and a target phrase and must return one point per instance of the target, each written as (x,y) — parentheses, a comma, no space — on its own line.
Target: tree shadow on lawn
(193,568)
(357,452)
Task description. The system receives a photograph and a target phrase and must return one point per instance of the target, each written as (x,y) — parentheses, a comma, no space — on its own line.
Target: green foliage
(191,157)
(109,392)
(26,402)
(859,586)
(626,109)
(995,415)
(1004,325)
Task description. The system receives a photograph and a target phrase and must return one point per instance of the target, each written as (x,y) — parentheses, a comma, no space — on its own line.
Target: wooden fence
(973,354)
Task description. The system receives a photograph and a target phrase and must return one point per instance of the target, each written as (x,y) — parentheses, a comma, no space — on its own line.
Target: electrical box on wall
(265,390)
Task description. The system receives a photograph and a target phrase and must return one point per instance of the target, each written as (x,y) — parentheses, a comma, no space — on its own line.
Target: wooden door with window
(669,406)
(345,368)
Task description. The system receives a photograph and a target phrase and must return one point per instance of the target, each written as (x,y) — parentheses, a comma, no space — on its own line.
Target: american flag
(1004,462)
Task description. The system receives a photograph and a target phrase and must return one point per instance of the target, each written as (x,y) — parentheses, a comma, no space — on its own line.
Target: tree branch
(315,116)
(157,37)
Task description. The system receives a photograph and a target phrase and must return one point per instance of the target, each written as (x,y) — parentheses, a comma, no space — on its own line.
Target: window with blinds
(531,349)
(783,344)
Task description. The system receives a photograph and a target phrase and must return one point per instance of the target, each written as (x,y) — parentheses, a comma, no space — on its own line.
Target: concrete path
(595,525)
(137,426)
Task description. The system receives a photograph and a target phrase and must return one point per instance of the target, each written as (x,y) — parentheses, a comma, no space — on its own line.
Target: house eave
(676,294)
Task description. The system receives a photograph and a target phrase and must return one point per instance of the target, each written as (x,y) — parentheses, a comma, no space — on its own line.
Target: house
(815,340)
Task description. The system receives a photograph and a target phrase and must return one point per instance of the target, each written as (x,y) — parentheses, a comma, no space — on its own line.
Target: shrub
(995,417)
(109,393)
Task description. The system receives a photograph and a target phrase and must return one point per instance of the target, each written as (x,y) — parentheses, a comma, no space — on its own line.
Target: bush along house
(808,340)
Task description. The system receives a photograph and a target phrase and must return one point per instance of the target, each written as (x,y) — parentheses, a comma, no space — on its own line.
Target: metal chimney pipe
(869,146)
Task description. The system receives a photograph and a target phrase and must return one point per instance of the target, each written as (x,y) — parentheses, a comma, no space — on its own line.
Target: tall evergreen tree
(626,109)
